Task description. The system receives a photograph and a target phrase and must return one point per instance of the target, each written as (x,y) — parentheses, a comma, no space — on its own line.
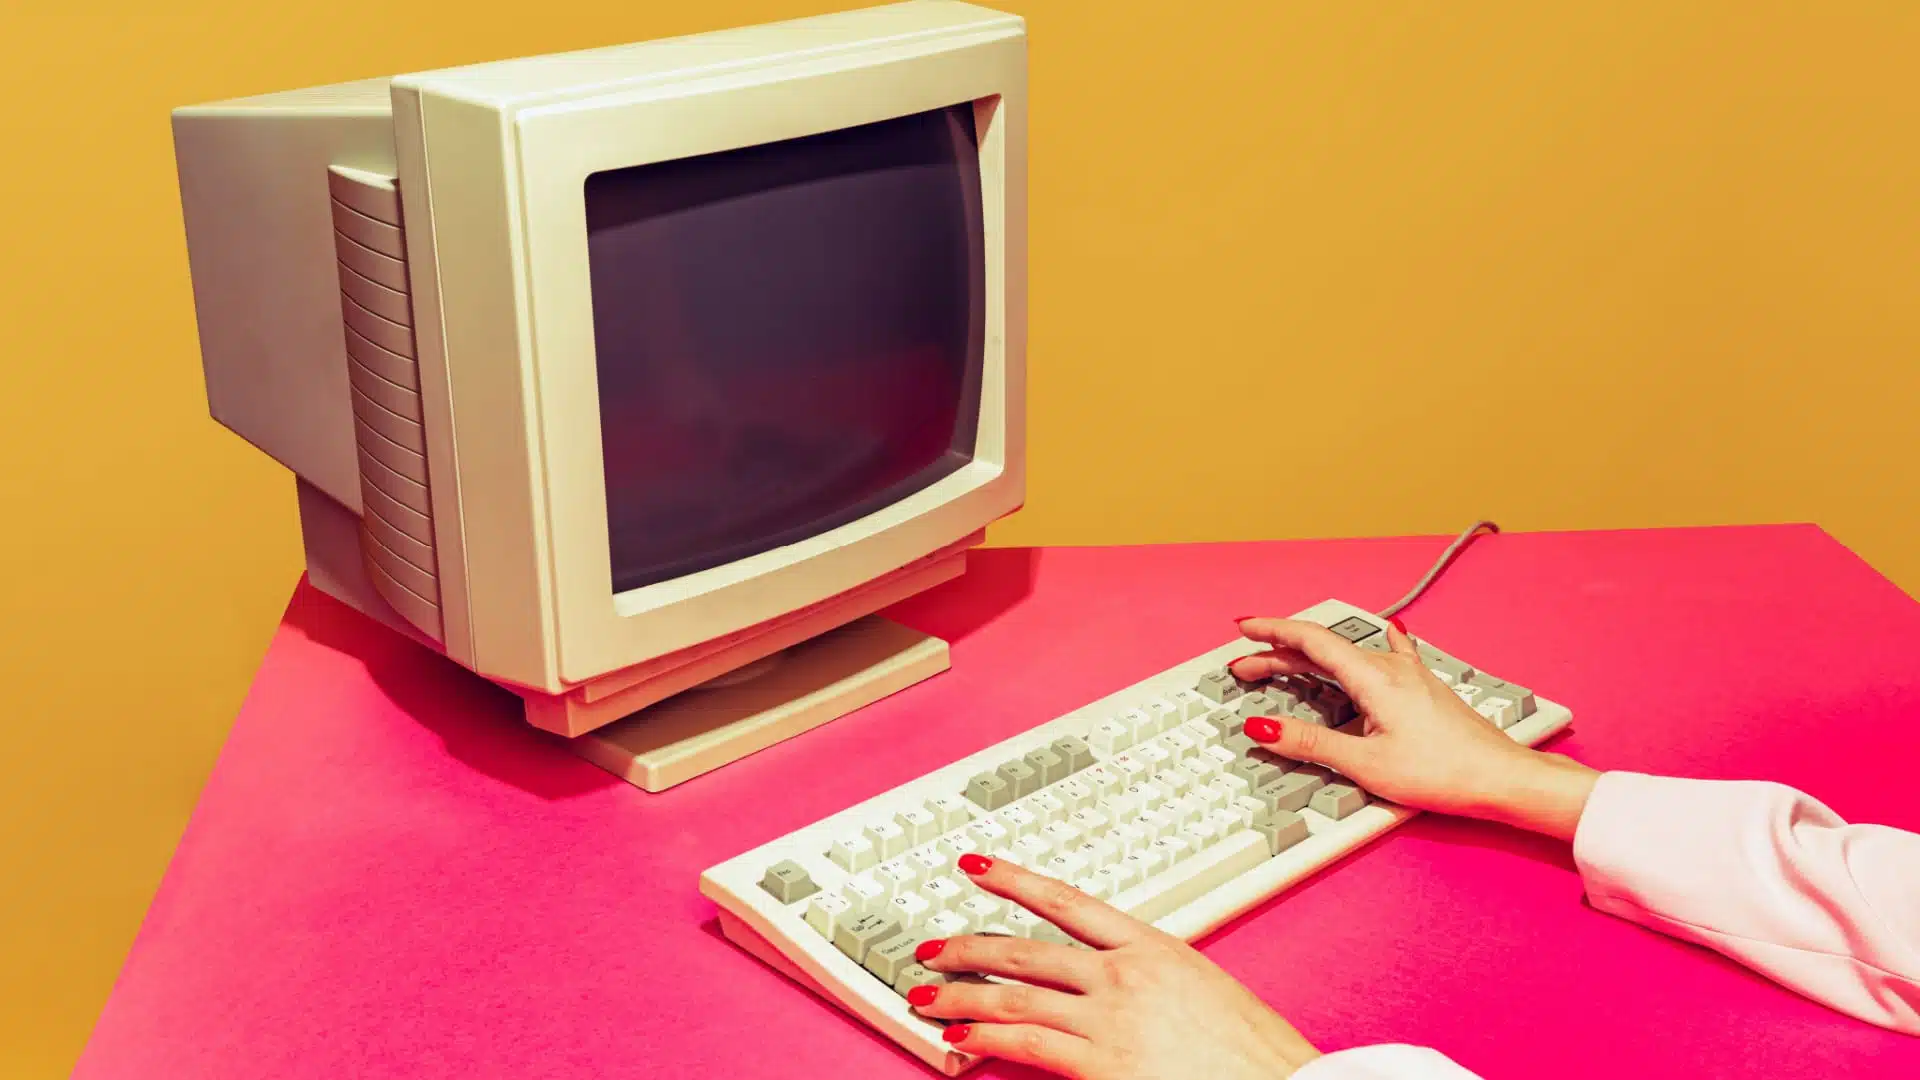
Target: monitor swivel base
(745,711)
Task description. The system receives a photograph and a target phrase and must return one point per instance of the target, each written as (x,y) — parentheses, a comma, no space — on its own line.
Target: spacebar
(1166,893)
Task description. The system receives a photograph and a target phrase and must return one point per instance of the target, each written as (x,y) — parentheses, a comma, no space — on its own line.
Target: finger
(1301,741)
(1047,962)
(1335,655)
(1028,1044)
(1272,664)
(1002,1004)
(1059,903)
(1401,641)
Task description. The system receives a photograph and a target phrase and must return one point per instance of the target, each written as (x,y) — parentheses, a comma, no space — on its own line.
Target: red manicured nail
(975,864)
(927,950)
(1262,728)
(1397,624)
(957,1033)
(1244,618)
(921,996)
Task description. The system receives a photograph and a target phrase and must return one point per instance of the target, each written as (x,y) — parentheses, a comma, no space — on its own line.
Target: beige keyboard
(1153,799)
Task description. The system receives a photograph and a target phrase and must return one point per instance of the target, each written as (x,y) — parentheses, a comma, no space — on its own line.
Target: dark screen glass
(789,336)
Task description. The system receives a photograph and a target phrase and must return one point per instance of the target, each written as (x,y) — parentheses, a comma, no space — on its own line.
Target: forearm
(1770,878)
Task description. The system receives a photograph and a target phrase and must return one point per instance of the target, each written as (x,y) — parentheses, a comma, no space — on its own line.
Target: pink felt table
(389,876)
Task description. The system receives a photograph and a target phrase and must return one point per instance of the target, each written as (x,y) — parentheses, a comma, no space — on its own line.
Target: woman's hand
(1139,1004)
(1423,747)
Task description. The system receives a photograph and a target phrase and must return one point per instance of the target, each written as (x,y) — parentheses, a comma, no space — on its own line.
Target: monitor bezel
(553,497)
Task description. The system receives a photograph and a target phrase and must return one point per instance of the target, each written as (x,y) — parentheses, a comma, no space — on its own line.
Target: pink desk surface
(388,876)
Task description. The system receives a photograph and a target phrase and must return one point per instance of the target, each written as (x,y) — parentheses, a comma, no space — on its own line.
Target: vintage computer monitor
(617,373)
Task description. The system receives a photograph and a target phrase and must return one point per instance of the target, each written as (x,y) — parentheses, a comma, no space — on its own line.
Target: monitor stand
(763,703)
(666,721)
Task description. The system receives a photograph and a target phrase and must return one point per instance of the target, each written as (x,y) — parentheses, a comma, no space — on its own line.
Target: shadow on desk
(482,724)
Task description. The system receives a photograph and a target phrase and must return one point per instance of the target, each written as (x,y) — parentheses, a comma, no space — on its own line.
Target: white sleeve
(1384,1062)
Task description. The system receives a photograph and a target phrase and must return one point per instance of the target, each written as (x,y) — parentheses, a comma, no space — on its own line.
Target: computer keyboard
(1153,799)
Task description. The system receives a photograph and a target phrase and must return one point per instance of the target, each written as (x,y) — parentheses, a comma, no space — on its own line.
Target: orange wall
(1298,269)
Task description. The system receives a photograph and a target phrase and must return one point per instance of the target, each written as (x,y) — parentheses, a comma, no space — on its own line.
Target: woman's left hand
(1140,1004)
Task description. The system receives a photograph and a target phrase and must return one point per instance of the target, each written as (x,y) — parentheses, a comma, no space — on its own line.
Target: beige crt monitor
(611,373)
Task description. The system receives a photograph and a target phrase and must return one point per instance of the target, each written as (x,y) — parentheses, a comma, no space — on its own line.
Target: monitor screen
(789,336)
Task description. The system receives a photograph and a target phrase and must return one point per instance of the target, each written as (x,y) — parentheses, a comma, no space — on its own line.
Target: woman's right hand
(1423,746)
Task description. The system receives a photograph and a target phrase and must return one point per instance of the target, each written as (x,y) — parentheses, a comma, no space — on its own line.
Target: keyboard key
(787,881)
(989,791)
(1118,876)
(1022,922)
(919,824)
(1202,733)
(1075,794)
(1174,848)
(1199,834)
(1031,851)
(1256,704)
(1098,852)
(1173,780)
(1101,779)
(888,839)
(1355,628)
(1062,836)
(909,909)
(892,956)
(950,811)
(1153,754)
(1165,714)
(1281,830)
(1089,822)
(1191,705)
(1066,866)
(1019,820)
(942,892)
(1208,796)
(1020,777)
(826,910)
(1075,750)
(1139,723)
(1290,792)
(982,908)
(915,975)
(1110,737)
(1200,768)
(1050,765)
(1218,686)
(1498,711)
(1226,722)
(946,924)
(1524,703)
(898,876)
(955,844)
(1128,767)
(853,853)
(856,938)
(989,835)
(1095,886)
(865,894)
(1128,838)
(1450,669)
(1047,808)
(1337,800)
(1468,692)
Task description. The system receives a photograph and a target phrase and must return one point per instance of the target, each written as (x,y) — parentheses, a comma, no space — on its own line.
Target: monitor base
(730,717)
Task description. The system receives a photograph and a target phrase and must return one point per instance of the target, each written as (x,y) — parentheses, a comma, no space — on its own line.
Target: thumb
(1302,741)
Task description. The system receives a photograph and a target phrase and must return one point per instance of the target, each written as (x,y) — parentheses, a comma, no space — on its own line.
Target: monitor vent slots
(396,527)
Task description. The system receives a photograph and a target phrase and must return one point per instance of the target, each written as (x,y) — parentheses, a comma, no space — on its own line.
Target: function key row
(1019,777)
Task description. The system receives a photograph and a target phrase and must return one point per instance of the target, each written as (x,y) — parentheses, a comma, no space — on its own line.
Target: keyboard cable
(1440,565)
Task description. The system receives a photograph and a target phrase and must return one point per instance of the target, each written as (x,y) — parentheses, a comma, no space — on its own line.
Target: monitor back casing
(397,269)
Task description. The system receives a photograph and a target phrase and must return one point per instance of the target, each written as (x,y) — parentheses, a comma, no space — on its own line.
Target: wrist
(1543,793)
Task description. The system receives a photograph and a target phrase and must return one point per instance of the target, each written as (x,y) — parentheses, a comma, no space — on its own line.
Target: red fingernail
(1397,624)
(1262,728)
(1244,618)
(957,1033)
(927,950)
(921,996)
(975,864)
